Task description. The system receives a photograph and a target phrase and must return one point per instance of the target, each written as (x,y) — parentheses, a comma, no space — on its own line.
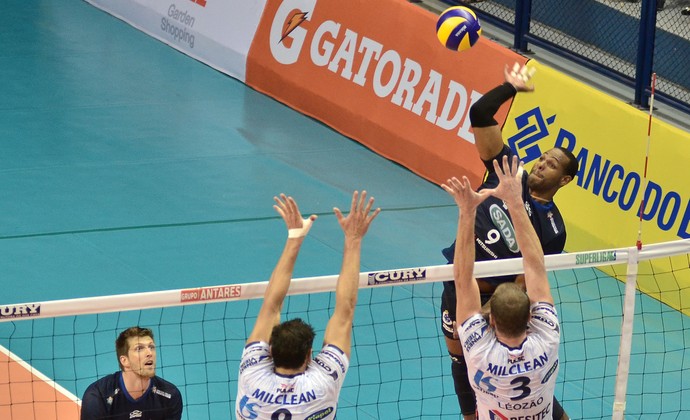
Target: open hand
(465,197)
(288,210)
(357,222)
(520,77)
(509,179)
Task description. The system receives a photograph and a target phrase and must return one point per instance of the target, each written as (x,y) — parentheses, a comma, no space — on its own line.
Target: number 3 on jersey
(521,384)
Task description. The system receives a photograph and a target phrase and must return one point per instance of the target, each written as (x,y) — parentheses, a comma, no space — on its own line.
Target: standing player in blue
(494,233)
(513,356)
(135,392)
(278,378)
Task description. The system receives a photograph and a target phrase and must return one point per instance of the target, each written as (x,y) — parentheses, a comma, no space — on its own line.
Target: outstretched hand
(357,222)
(465,197)
(288,210)
(519,77)
(509,179)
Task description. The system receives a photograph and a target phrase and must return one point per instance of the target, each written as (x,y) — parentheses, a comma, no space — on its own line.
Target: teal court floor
(128,167)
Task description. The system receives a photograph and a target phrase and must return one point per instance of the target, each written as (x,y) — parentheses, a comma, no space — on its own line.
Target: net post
(623,368)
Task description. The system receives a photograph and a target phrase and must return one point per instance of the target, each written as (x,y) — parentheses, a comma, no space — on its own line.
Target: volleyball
(458,28)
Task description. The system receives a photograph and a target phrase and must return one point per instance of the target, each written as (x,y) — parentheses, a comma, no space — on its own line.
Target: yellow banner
(609,137)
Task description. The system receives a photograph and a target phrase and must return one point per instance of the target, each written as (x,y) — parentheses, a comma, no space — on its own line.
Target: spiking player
(135,392)
(494,233)
(512,359)
(278,378)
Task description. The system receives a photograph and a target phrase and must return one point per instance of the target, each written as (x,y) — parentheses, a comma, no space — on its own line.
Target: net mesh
(399,365)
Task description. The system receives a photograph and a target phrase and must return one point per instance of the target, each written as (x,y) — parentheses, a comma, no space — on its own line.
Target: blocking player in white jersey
(512,357)
(278,378)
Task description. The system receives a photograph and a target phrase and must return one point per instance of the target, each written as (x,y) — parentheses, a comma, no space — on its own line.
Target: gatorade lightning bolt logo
(295,20)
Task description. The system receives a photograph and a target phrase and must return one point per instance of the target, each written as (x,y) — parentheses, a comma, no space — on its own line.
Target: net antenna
(646,158)
(623,369)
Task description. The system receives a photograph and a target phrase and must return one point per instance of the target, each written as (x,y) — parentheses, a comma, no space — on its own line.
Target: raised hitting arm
(510,191)
(467,291)
(269,314)
(487,132)
(355,226)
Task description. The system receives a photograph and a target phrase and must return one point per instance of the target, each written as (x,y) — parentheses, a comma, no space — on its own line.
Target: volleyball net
(51,351)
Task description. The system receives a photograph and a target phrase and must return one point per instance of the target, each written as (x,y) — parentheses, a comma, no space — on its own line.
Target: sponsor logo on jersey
(502,222)
(549,216)
(211,293)
(520,367)
(285,388)
(515,358)
(333,374)
(247,410)
(544,320)
(496,415)
(247,363)
(447,323)
(136,414)
(333,356)
(20,311)
(489,241)
(322,364)
(284,399)
(474,323)
(471,341)
(551,371)
(321,414)
(161,393)
(528,207)
(396,276)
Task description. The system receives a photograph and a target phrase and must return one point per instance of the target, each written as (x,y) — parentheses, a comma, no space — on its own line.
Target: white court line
(59,388)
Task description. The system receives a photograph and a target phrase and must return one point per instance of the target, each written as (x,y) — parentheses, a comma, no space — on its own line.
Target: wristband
(300,232)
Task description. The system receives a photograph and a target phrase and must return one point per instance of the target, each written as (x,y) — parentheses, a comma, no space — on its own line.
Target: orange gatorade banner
(376,72)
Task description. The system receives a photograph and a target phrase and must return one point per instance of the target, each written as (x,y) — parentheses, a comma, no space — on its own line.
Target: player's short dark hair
(122,342)
(572,166)
(510,309)
(291,342)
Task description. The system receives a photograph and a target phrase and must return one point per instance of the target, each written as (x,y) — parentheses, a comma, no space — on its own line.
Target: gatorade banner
(376,72)
(215,32)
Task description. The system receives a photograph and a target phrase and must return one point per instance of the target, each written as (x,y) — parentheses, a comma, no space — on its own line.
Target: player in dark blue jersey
(494,233)
(135,392)
(513,355)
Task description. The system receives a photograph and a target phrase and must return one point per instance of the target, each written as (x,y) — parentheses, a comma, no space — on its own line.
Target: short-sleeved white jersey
(313,394)
(513,382)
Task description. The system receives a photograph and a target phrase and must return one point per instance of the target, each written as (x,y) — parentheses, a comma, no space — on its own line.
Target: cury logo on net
(210,293)
(396,276)
(20,311)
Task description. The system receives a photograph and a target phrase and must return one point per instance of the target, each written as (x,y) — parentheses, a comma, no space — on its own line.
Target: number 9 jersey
(513,382)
